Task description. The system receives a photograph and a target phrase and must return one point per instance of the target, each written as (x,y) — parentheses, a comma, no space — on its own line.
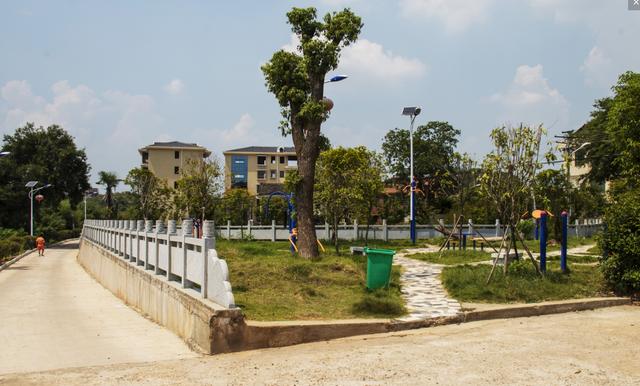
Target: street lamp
(412,112)
(31,185)
(336,78)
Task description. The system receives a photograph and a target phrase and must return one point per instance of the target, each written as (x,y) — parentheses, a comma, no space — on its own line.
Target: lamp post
(336,78)
(31,185)
(412,112)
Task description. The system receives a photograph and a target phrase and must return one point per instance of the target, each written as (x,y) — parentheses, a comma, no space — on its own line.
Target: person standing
(40,245)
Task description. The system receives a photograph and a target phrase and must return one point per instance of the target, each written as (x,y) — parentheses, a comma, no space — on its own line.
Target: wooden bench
(484,241)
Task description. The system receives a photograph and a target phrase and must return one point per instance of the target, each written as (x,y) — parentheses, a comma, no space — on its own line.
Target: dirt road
(591,347)
(54,315)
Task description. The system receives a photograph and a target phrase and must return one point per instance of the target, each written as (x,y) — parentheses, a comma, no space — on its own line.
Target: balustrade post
(159,230)
(148,228)
(187,231)
(385,230)
(273,230)
(208,242)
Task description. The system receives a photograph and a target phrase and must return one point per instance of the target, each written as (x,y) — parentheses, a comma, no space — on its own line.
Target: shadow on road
(19,268)
(72,245)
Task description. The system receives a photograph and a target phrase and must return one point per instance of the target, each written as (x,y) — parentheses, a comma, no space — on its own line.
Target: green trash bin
(378,267)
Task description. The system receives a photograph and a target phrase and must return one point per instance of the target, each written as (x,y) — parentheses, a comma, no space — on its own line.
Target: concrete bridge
(53,314)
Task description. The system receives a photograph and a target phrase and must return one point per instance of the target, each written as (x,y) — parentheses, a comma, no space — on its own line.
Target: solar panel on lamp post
(412,112)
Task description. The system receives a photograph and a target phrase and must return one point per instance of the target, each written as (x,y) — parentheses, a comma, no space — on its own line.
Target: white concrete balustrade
(175,254)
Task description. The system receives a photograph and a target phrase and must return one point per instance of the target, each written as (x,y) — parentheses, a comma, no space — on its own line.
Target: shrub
(15,244)
(620,243)
(526,227)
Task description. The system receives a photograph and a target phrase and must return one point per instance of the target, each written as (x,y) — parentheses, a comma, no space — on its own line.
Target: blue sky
(119,75)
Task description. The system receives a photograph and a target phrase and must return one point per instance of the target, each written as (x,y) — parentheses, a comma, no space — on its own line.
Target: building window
(145,157)
(281,173)
(176,170)
(281,160)
(273,159)
(175,184)
(292,161)
(176,154)
(262,160)
(239,171)
(262,174)
(273,174)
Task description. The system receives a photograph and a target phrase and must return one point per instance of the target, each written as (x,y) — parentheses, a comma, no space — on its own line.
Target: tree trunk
(335,234)
(307,241)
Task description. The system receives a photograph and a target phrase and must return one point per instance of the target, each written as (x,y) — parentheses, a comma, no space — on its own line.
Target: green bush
(526,227)
(620,243)
(15,244)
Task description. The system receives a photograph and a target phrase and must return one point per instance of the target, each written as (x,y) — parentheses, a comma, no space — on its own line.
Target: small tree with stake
(297,81)
(508,174)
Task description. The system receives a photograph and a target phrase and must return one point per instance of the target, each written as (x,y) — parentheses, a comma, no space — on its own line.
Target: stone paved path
(421,288)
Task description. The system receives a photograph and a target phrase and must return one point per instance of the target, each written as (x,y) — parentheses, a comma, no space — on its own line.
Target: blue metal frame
(543,242)
(563,247)
(291,222)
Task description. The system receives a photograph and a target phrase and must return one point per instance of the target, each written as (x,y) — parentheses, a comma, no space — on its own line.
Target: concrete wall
(203,324)
(583,228)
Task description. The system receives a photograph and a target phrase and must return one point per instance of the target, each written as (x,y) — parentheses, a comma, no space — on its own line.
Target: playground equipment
(291,221)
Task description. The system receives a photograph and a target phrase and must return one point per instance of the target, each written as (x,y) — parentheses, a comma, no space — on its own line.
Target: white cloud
(456,15)
(368,59)
(111,126)
(615,31)
(240,131)
(175,87)
(597,68)
(531,99)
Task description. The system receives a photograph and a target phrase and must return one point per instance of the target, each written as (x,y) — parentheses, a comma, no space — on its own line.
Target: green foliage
(151,193)
(508,171)
(296,79)
(526,227)
(236,206)
(199,187)
(620,243)
(553,193)
(467,283)
(45,155)
(110,181)
(433,151)
(613,133)
(348,183)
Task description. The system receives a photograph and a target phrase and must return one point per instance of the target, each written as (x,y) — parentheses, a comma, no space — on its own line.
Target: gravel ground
(590,347)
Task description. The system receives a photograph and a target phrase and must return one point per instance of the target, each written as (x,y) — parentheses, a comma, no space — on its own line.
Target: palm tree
(110,181)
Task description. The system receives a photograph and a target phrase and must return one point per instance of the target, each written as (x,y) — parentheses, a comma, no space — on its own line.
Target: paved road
(54,315)
(580,348)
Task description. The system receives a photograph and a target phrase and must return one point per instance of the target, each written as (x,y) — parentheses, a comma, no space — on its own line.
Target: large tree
(200,187)
(149,191)
(348,183)
(433,157)
(610,142)
(47,155)
(297,80)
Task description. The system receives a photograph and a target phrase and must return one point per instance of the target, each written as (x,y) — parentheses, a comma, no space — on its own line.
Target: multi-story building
(166,159)
(259,169)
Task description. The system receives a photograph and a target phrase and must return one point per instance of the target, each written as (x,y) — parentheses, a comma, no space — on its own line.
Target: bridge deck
(54,315)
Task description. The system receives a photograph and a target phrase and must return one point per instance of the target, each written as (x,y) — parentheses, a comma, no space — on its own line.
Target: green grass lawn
(595,250)
(467,283)
(271,284)
(575,259)
(450,257)
(534,245)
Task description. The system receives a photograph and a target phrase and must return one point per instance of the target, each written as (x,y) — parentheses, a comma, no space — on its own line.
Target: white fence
(179,257)
(355,231)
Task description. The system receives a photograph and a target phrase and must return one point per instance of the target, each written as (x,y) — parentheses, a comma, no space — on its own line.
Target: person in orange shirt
(40,245)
